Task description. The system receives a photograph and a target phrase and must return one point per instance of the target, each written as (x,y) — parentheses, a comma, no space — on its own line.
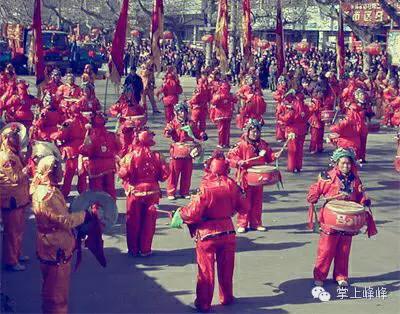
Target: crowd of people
(309,98)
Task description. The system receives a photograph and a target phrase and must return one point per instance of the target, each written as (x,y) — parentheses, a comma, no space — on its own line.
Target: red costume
(254,108)
(71,135)
(208,216)
(181,165)
(279,96)
(295,119)
(395,105)
(171,89)
(222,107)
(199,104)
(101,148)
(67,92)
(389,96)
(244,150)
(332,243)
(19,106)
(316,126)
(142,169)
(124,108)
(89,103)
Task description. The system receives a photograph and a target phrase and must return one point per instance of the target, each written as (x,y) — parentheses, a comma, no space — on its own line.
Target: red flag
(157,30)
(38,58)
(221,35)
(340,48)
(280,50)
(116,63)
(247,55)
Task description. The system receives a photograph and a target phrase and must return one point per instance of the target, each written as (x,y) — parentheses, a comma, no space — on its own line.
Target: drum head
(108,214)
(345,207)
(261,169)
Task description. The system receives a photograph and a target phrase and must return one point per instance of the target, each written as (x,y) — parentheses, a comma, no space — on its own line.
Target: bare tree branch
(391,11)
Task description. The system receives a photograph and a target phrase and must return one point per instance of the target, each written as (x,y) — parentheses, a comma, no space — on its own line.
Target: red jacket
(47,124)
(315,113)
(100,147)
(254,108)
(19,109)
(199,101)
(171,90)
(222,106)
(203,87)
(210,212)
(71,135)
(296,118)
(52,87)
(142,169)
(85,104)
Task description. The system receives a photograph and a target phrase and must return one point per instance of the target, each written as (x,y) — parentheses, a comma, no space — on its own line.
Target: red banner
(280,50)
(38,58)
(247,55)
(340,48)
(221,35)
(157,30)
(368,12)
(116,63)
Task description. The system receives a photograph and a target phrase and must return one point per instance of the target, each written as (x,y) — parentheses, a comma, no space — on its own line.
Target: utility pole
(59,15)
(208,31)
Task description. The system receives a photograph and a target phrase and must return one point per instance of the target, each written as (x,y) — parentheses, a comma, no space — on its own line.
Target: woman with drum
(249,152)
(341,217)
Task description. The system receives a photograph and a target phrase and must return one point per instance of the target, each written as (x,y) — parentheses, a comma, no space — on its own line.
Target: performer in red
(389,95)
(101,148)
(68,93)
(395,104)
(221,111)
(55,241)
(254,107)
(199,107)
(14,198)
(88,101)
(19,106)
(208,216)
(171,89)
(215,81)
(251,146)
(54,83)
(71,136)
(340,183)
(46,126)
(126,107)
(353,83)
(295,118)
(183,132)
(141,170)
(279,96)
(316,124)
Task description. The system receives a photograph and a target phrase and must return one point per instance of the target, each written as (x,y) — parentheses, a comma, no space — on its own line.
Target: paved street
(273,271)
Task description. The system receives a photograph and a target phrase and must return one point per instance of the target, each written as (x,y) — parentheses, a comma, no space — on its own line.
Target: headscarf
(43,169)
(342,152)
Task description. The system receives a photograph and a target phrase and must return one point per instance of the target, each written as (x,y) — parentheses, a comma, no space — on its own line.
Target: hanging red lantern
(135,33)
(302,46)
(207,38)
(263,44)
(167,35)
(373,49)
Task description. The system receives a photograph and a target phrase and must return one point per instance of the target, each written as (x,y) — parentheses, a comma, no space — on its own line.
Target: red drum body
(373,126)
(344,216)
(327,115)
(263,175)
(185,150)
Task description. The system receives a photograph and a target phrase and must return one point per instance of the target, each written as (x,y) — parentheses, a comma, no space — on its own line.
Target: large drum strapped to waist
(344,216)
(186,150)
(263,175)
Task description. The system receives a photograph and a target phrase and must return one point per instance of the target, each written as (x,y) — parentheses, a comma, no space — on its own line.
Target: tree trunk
(233,27)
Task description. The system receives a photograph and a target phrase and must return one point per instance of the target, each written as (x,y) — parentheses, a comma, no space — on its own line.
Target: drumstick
(291,136)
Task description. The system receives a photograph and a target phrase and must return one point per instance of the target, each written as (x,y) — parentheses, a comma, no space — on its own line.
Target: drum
(183,150)
(373,126)
(327,115)
(344,216)
(263,175)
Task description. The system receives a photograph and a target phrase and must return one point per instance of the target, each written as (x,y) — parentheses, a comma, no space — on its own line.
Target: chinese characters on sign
(361,293)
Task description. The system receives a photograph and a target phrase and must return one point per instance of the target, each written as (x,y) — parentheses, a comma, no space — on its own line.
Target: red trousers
(279,132)
(14,225)
(252,219)
(317,140)
(71,166)
(199,118)
(126,139)
(295,153)
(169,113)
(182,167)
(222,250)
(224,131)
(332,247)
(141,219)
(105,183)
(55,288)
(363,147)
